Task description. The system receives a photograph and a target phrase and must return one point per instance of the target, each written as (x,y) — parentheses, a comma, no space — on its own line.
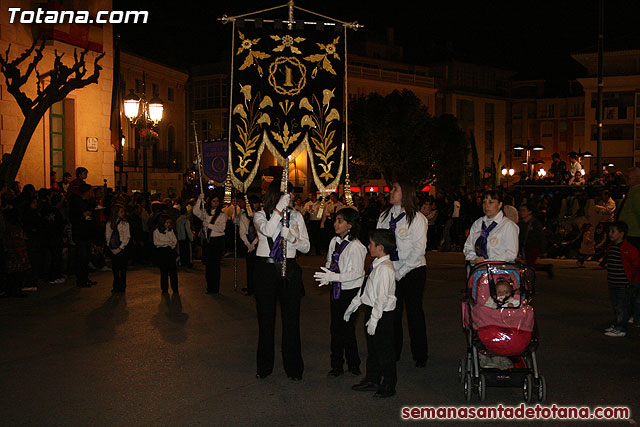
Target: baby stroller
(498,331)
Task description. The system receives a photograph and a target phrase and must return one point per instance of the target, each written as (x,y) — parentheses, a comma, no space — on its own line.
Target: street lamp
(149,113)
(507,173)
(529,160)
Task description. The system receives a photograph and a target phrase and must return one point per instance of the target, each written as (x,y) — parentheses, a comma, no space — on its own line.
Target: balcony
(374,73)
(159,159)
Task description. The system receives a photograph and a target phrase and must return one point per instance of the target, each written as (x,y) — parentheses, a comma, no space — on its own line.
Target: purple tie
(392,226)
(276,250)
(481,242)
(335,257)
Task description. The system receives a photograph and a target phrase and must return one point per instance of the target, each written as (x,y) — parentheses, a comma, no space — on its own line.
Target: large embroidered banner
(288,97)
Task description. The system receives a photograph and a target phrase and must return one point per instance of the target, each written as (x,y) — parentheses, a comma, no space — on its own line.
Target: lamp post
(507,173)
(149,113)
(529,160)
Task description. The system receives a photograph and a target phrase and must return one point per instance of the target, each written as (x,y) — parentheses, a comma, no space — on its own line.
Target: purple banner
(215,155)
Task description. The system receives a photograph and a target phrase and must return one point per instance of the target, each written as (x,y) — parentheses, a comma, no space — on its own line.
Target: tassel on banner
(227,189)
(321,209)
(347,191)
(248,205)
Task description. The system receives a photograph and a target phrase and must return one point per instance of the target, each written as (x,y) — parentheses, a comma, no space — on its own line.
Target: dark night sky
(533,38)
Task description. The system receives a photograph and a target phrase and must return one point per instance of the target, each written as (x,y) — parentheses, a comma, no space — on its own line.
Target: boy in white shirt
(378,296)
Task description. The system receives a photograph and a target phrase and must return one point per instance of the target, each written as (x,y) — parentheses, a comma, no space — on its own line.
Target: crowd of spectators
(57,234)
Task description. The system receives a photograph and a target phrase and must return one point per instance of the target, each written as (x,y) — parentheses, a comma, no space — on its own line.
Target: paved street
(75,356)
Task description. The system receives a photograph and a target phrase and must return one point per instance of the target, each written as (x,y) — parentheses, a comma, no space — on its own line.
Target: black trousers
(381,362)
(409,291)
(83,252)
(119,263)
(269,289)
(314,236)
(250,259)
(168,269)
(212,258)
(185,253)
(343,334)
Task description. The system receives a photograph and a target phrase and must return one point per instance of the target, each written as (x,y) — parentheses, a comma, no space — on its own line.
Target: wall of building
(90,115)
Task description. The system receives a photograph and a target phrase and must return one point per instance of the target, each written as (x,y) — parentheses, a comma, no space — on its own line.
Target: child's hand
(325,276)
(371,326)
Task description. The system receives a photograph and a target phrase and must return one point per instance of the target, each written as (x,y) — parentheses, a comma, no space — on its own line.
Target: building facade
(621,106)
(167,160)
(75,131)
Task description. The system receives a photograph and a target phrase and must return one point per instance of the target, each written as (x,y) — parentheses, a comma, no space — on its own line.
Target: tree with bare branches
(62,81)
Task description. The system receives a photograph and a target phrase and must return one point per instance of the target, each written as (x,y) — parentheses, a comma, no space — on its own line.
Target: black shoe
(295,378)
(84,285)
(355,371)
(262,376)
(335,373)
(384,391)
(421,363)
(365,385)
(92,282)
(211,292)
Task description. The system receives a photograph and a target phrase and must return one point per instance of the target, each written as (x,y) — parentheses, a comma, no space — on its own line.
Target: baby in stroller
(504,296)
(498,319)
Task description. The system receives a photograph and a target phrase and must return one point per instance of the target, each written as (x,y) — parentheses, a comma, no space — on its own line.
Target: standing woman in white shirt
(118,236)
(270,286)
(344,271)
(214,222)
(410,227)
(165,241)
(493,237)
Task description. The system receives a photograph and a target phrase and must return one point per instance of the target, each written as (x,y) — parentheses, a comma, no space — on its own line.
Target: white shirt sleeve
(384,283)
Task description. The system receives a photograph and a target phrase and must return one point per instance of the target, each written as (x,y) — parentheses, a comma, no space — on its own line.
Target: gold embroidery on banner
(249,130)
(287,138)
(281,66)
(320,124)
(253,56)
(286,106)
(322,59)
(288,42)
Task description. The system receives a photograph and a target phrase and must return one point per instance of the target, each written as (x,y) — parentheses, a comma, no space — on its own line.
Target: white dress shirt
(123,232)
(272,227)
(164,240)
(311,208)
(380,290)
(217,228)
(351,262)
(244,231)
(411,240)
(502,242)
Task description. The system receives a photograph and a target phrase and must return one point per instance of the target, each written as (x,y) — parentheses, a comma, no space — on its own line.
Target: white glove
(283,202)
(201,196)
(287,234)
(347,315)
(325,276)
(251,247)
(371,326)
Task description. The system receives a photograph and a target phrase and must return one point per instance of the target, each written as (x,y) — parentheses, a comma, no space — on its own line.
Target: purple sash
(335,257)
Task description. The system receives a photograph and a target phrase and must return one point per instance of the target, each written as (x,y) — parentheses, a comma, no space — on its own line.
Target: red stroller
(497,331)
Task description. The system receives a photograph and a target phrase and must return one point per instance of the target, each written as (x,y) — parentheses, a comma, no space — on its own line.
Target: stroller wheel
(460,370)
(468,387)
(542,389)
(527,388)
(482,387)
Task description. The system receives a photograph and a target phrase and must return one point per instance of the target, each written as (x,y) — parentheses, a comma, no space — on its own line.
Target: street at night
(86,357)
